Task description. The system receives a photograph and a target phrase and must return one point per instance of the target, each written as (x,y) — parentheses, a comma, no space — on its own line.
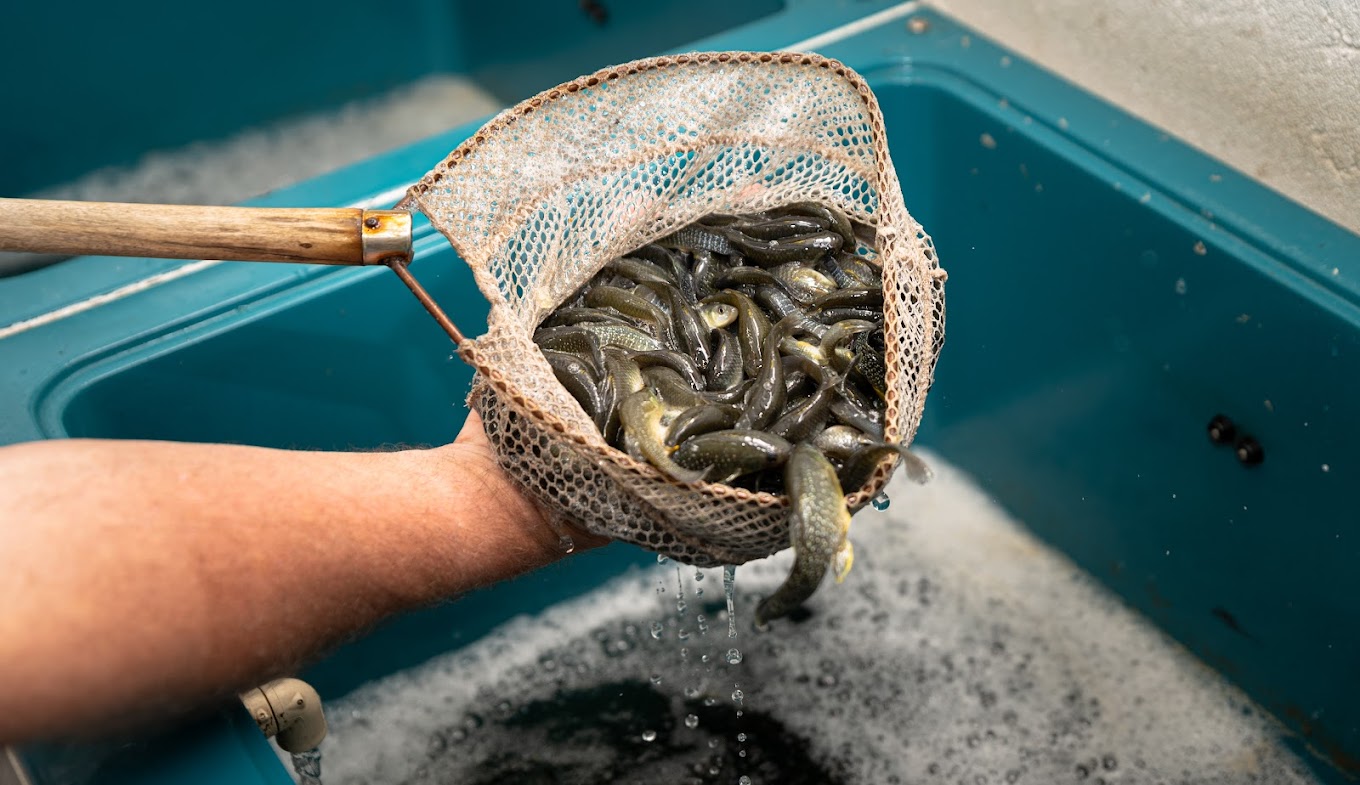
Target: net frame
(549,191)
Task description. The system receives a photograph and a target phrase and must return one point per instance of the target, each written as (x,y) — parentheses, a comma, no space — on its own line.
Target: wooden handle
(314,236)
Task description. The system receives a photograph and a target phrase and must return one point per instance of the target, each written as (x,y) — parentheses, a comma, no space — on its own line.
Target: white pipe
(289,711)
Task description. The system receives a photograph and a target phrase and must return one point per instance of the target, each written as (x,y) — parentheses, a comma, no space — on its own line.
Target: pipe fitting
(288,711)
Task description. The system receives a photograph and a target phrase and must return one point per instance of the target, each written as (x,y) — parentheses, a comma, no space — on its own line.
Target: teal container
(1111,290)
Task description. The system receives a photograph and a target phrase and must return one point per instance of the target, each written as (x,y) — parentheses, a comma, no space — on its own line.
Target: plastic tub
(1110,291)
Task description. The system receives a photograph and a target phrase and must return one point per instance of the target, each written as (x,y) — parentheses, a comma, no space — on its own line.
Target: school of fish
(745,350)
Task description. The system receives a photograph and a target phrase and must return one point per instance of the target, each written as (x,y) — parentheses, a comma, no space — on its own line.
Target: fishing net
(549,191)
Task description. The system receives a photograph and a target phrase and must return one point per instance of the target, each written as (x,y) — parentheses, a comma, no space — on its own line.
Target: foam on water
(262,159)
(960,649)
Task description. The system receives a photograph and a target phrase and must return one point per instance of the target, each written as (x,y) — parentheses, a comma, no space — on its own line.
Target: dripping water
(729,586)
(307,765)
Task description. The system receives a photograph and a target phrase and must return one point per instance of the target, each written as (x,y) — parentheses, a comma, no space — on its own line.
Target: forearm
(135,573)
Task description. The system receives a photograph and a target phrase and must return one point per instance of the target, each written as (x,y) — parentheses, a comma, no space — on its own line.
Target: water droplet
(737,696)
(698,575)
(745,780)
(656,678)
(649,735)
(660,559)
(704,659)
(741,753)
(656,630)
(691,692)
(680,606)
(710,701)
(712,744)
(1181,287)
(691,721)
(880,502)
(733,656)
(683,635)
(741,737)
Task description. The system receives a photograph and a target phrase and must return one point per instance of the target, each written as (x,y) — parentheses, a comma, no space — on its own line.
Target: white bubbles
(691,721)
(733,656)
(961,643)
(743,779)
(263,159)
(649,735)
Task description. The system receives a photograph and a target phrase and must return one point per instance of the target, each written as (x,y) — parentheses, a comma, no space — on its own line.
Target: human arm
(153,576)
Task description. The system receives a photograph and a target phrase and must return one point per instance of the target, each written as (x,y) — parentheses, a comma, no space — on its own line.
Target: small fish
(680,363)
(735,395)
(781,306)
(752,327)
(641,270)
(765,398)
(864,272)
(716,316)
(808,416)
(744,276)
(705,272)
(630,304)
(729,454)
(802,282)
(581,380)
(836,220)
(725,366)
(840,357)
(859,297)
(567,317)
(698,238)
(839,441)
(658,255)
(706,418)
(768,253)
(781,228)
(867,420)
(586,336)
(833,315)
(685,326)
(641,414)
(673,390)
(622,378)
(869,364)
(836,272)
(819,522)
(859,467)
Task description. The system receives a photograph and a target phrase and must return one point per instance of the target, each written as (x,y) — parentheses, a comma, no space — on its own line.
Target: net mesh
(549,191)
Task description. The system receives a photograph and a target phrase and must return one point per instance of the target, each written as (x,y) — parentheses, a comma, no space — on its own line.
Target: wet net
(548,192)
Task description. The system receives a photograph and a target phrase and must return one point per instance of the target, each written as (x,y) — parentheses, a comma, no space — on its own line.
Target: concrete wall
(1270,87)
